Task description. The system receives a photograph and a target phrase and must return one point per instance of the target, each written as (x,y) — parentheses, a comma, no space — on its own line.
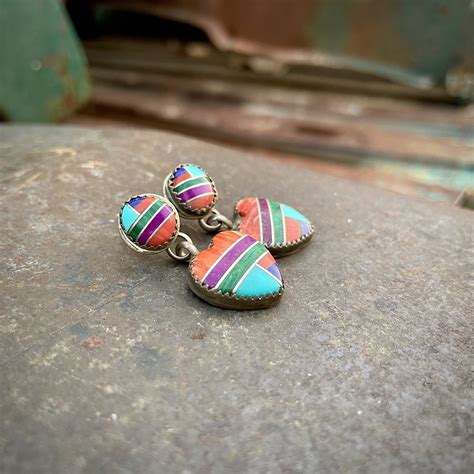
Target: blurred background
(379,91)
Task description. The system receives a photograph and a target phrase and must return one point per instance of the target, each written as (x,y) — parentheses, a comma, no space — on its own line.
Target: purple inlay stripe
(227,260)
(266,220)
(195,192)
(305,228)
(154,224)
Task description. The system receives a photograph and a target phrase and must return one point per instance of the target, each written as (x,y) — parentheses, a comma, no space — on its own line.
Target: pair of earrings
(238,270)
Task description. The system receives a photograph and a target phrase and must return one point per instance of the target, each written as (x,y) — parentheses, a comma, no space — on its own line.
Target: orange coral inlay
(208,257)
(164,233)
(293,231)
(179,179)
(251,223)
(266,261)
(244,205)
(201,202)
(141,206)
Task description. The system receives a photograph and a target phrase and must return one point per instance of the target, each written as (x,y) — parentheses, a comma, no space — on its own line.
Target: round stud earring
(148,223)
(194,194)
(235,271)
(281,228)
(191,190)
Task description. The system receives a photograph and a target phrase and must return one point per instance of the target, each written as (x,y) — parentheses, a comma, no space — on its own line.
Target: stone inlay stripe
(154,224)
(242,266)
(190,183)
(195,192)
(143,220)
(227,260)
(266,220)
(277,221)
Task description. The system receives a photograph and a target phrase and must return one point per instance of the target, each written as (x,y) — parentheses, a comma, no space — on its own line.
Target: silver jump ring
(183,249)
(214,222)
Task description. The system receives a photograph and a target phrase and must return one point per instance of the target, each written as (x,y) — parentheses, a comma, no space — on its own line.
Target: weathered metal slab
(43,71)
(110,364)
(422,44)
(422,149)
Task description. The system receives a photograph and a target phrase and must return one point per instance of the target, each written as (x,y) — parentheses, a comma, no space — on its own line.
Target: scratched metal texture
(109,364)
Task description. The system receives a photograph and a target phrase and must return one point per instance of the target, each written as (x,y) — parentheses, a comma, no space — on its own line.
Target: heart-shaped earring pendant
(236,272)
(282,229)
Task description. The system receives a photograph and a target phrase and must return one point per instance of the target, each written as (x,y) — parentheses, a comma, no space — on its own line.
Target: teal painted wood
(44,75)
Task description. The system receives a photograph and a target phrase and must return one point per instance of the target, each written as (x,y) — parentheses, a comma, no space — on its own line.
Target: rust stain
(59,63)
(364,36)
(248,22)
(94,342)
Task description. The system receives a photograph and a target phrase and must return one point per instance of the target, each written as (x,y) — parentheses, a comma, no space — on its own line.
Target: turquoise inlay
(129,216)
(195,171)
(290,212)
(258,283)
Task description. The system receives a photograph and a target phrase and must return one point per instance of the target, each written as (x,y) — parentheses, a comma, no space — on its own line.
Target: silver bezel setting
(183,209)
(141,248)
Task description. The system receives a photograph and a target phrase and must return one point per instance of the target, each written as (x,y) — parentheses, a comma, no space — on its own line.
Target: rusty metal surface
(422,149)
(423,44)
(109,363)
(187,57)
(301,129)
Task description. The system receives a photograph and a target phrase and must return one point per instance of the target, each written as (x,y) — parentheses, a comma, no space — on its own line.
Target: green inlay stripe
(191,182)
(234,276)
(144,219)
(277,219)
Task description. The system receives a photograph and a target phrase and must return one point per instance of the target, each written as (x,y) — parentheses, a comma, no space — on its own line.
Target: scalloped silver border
(280,250)
(187,211)
(141,248)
